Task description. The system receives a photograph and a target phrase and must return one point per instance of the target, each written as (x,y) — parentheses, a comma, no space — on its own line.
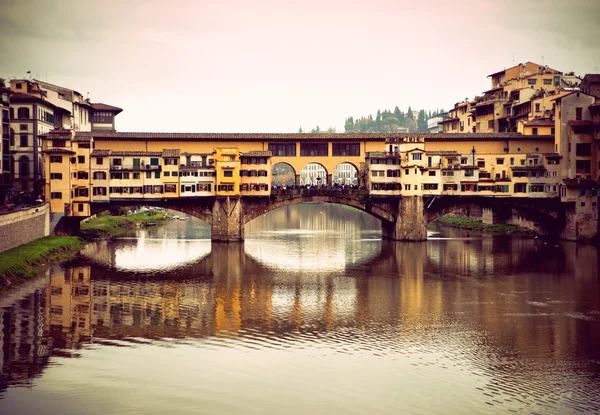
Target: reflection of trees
(473,295)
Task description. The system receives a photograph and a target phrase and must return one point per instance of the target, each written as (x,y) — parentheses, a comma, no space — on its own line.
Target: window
(117,162)
(227,173)
(583,149)
(81,159)
(469,173)
(167,174)
(520,188)
(345,149)
(23,113)
(81,192)
(463,160)
(136,176)
(99,160)
(532,81)
(24,141)
(82,175)
(23,127)
(583,166)
(534,131)
(283,149)
(432,172)
(170,188)
(491,124)
(313,149)
(578,113)
(417,156)
(55,159)
(537,107)
(481,163)
(499,161)
(99,175)
(55,195)
(56,176)
(552,130)
(171,162)
(154,161)
(102,117)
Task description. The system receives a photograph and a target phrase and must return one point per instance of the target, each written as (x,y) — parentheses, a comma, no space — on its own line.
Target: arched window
(23,166)
(23,113)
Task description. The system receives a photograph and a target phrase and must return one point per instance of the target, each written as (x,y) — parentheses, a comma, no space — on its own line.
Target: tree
(315,130)
(409,113)
(331,130)
(300,130)
(421,122)
(349,125)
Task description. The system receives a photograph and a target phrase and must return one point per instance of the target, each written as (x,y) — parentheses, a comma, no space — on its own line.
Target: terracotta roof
(172,152)
(534,167)
(98,106)
(136,153)
(100,153)
(58,134)
(553,155)
(19,97)
(380,154)
(596,104)
(583,123)
(588,183)
(443,153)
(540,122)
(592,77)
(82,139)
(483,104)
(256,154)
(58,150)
(112,135)
(475,137)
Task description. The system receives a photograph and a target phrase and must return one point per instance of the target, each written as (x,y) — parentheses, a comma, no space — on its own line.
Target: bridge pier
(410,222)
(227,220)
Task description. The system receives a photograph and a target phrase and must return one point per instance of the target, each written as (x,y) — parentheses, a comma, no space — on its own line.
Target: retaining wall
(23,226)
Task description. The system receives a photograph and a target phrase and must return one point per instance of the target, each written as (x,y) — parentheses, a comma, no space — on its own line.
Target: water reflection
(481,323)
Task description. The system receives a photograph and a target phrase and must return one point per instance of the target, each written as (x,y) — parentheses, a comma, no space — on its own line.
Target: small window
(534,131)
(537,107)
(578,113)
(55,195)
(23,127)
(227,173)
(547,81)
(55,159)
(532,81)
(417,156)
(499,161)
(80,159)
(99,160)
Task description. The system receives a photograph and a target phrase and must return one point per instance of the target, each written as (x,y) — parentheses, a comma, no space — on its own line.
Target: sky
(273,66)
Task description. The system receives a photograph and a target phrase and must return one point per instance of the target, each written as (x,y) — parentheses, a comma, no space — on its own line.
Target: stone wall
(18,228)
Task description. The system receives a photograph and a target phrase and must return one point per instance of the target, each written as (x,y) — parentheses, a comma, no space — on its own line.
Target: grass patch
(105,226)
(477,225)
(25,261)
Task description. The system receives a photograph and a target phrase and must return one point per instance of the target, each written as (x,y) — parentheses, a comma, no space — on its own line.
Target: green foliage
(113,225)
(387,121)
(25,260)
(477,225)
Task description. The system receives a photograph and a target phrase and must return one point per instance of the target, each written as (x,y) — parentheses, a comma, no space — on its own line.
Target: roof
(54,87)
(136,153)
(381,154)
(596,104)
(443,153)
(58,150)
(534,167)
(483,104)
(540,122)
(474,137)
(100,153)
(98,106)
(170,152)
(19,97)
(256,154)
(583,123)
(58,134)
(591,78)
(588,183)
(82,139)
(571,93)
(553,155)
(447,120)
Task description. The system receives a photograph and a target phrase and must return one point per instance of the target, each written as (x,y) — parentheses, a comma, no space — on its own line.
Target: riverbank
(478,225)
(107,226)
(25,261)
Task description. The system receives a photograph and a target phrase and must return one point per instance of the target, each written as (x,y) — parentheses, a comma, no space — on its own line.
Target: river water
(312,314)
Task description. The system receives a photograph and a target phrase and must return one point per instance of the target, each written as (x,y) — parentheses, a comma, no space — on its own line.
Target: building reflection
(416,291)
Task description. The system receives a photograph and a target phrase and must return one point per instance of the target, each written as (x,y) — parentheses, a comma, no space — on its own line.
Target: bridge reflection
(417,292)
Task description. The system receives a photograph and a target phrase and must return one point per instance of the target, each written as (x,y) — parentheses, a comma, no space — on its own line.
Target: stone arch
(311,174)
(256,209)
(345,176)
(542,215)
(199,208)
(283,180)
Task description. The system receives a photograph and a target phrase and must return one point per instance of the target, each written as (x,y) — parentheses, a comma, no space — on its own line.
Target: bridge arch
(345,173)
(314,174)
(283,174)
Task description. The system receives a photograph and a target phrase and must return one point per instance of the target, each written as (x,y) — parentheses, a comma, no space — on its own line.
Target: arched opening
(345,174)
(283,174)
(23,167)
(314,174)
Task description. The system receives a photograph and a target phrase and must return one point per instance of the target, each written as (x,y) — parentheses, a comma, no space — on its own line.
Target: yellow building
(227,169)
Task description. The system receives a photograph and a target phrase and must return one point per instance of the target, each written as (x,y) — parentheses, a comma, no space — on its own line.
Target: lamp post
(473,155)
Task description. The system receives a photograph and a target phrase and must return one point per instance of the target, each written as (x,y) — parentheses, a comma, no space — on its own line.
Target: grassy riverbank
(106,226)
(477,225)
(25,261)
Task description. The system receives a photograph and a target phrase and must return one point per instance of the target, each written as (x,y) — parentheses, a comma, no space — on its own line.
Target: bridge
(406,180)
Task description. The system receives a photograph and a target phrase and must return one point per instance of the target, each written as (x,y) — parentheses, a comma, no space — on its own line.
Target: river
(312,314)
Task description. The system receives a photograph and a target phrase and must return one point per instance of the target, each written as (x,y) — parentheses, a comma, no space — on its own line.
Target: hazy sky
(272,66)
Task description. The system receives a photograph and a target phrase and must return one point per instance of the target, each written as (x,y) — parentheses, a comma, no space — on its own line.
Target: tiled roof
(98,106)
(58,134)
(136,153)
(100,153)
(483,104)
(381,154)
(474,137)
(588,183)
(171,152)
(552,155)
(19,97)
(447,120)
(540,122)
(256,154)
(443,153)
(535,167)
(58,150)
(583,123)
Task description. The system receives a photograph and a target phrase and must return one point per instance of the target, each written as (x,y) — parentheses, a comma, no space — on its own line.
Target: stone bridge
(402,217)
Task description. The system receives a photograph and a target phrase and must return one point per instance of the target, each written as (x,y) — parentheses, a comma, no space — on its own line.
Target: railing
(301,191)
